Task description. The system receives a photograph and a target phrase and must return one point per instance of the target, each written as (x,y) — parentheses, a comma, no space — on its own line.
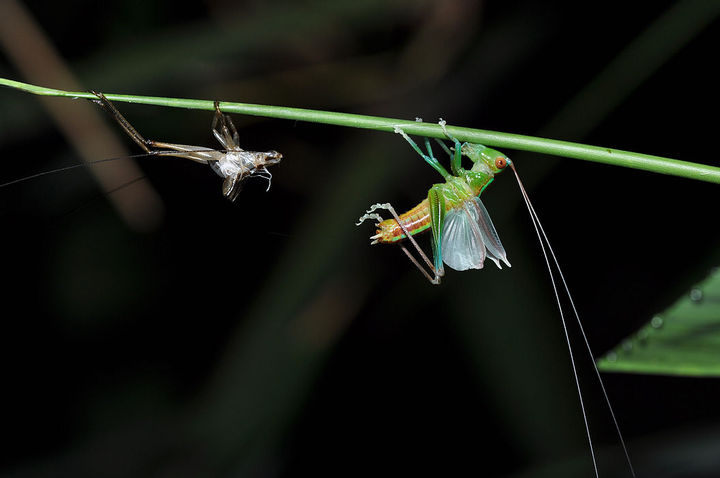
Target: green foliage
(682,340)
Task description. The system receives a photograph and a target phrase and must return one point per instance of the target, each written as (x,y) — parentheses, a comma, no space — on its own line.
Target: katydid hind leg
(412,240)
(124,123)
(371,214)
(433,280)
(436,202)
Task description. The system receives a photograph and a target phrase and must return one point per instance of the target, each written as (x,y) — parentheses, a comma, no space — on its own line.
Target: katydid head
(272,157)
(485,160)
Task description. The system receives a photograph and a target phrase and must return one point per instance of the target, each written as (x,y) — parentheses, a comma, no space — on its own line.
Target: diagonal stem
(554,147)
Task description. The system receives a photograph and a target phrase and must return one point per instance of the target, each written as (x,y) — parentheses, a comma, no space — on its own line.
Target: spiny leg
(158,147)
(125,124)
(370,214)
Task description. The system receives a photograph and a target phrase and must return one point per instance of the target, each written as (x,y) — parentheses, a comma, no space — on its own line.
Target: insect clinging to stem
(463,235)
(232,163)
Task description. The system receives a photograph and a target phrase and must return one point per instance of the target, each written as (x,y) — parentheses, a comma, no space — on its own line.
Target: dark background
(266,337)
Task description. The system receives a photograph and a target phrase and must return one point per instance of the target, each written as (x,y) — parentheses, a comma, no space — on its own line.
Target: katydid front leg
(429,158)
(226,135)
(456,157)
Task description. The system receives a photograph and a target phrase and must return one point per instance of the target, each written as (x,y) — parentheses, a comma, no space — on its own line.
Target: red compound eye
(500,162)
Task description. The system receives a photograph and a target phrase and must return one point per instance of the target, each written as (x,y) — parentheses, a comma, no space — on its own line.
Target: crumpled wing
(469,237)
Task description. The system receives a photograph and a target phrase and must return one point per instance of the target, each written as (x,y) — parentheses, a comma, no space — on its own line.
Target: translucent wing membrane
(469,236)
(495,249)
(462,244)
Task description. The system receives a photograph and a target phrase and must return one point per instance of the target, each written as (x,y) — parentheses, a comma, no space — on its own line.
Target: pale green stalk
(566,149)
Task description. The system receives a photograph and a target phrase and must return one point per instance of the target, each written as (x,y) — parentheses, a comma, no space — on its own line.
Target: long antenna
(89,164)
(535,222)
(86,164)
(540,230)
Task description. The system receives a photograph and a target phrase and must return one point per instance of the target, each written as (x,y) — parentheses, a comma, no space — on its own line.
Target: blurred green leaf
(683,340)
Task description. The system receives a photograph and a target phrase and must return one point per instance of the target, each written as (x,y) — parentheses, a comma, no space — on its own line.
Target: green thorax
(487,162)
(456,190)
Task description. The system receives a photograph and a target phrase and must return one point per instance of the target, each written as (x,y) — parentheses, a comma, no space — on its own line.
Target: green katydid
(464,235)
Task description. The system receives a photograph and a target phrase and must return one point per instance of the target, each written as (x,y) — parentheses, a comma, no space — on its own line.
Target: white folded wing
(468,236)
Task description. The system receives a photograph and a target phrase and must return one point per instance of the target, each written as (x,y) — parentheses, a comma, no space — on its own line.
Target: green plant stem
(566,149)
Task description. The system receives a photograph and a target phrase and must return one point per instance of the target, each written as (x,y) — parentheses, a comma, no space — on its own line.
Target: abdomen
(416,220)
